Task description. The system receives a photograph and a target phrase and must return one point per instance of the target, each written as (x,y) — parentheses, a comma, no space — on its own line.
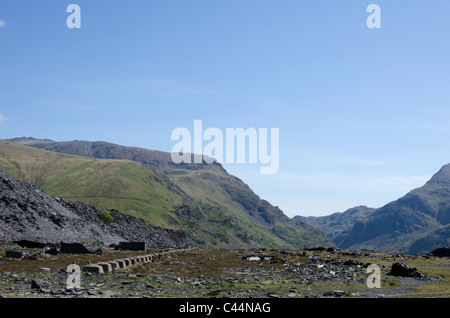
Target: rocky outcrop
(404,270)
(441,252)
(27,213)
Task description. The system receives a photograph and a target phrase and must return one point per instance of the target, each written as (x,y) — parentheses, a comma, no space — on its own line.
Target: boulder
(441,252)
(352,262)
(73,248)
(403,270)
(52,251)
(334,293)
(30,244)
(35,285)
(132,246)
(13,254)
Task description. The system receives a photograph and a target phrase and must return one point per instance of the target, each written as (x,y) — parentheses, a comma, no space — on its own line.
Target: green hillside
(218,209)
(213,186)
(123,185)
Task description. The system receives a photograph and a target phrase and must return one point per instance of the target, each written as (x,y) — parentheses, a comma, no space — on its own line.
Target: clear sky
(363,114)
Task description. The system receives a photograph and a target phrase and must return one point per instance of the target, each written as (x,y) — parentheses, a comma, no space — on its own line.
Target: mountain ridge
(416,223)
(208,197)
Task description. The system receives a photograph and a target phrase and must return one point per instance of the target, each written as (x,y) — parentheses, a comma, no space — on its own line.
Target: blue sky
(364,114)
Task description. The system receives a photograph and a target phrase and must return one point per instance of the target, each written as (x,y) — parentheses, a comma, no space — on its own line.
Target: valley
(234,244)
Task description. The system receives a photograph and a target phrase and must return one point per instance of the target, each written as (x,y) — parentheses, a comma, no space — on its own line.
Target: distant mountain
(336,224)
(416,223)
(216,208)
(27,213)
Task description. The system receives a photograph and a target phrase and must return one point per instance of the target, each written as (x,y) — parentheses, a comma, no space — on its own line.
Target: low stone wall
(124,263)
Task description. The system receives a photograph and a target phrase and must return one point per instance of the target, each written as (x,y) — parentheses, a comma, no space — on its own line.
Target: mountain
(216,208)
(27,213)
(123,185)
(417,223)
(334,225)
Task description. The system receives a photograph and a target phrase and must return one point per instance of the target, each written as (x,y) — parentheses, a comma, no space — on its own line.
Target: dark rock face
(441,252)
(403,270)
(28,214)
(74,248)
(132,246)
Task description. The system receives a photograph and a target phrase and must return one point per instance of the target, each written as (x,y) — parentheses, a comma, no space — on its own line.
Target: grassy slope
(123,185)
(207,185)
(208,188)
(128,186)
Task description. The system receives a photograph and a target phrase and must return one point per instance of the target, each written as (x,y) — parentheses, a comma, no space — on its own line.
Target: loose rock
(403,270)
